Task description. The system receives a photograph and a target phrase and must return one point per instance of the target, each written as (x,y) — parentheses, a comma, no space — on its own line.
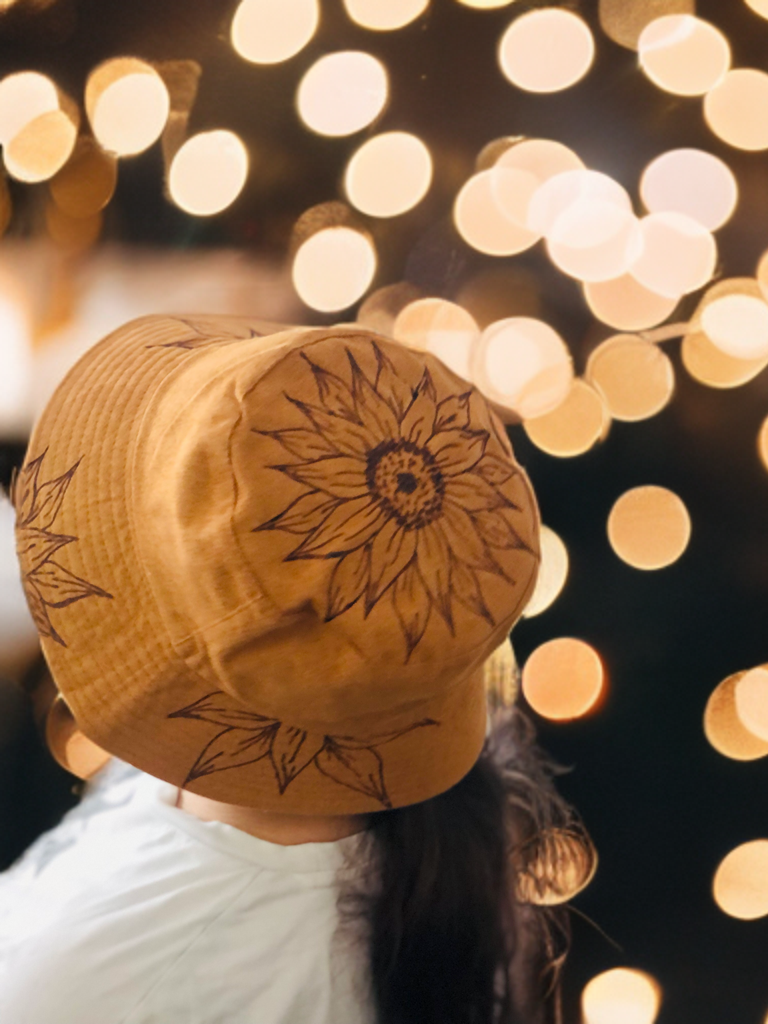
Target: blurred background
(568,204)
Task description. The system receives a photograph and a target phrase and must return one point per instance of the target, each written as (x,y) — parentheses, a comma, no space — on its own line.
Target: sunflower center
(406,482)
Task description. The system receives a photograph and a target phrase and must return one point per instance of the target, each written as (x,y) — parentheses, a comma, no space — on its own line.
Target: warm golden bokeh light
(762,442)
(486,5)
(737,325)
(127,103)
(23,97)
(333,268)
(634,376)
(678,254)
(440,327)
(692,182)
(576,425)
(557,194)
(482,221)
(649,527)
(385,15)
(759,7)
(737,109)
(740,886)
(683,54)
(381,308)
(546,50)
(523,365)
(563,679)
(626,304)
(389,174)
(621,996)
(723,727)
(553,573)
(563,865)
(43,145)
(543,158)
(208,173)
(751,697)
(624,20)
(342,93)
(271,31)
(87,181)
(711,366)
(15,331)
(594,240)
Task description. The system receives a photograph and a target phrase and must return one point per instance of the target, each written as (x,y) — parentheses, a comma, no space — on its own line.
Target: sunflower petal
(232,748)
(303,515)
(412,605)
(391,551)
(453,413)
(467,591)
(434,560)
(346,437)
(373,411)
(497,531)
(347,582)
(465,542)
(220,708)
(361,770)
(341,476)
(334,393)
(390,385)
(306,444)
(418,423)
(60,587)
(472,493)
(456,451)
(353,743)
(291,753)
(494,470)
(36,546)
(480,412)
(350,525)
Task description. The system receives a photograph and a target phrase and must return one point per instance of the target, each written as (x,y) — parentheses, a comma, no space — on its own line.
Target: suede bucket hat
(267,565)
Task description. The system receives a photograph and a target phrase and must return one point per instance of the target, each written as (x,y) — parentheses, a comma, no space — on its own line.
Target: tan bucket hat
(268,564)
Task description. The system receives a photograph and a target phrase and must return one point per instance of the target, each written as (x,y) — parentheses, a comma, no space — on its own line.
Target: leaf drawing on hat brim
(47,584)
(202,333)
(248,737)
(403,490)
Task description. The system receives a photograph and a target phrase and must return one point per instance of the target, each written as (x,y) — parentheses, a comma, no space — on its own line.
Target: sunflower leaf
(221,708)
(291,753)
(60,587)
(232,748)
(361,770)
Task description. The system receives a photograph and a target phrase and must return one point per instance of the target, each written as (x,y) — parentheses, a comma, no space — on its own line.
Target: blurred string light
(127,103)
(546,50)
(683,54)
(563,679)
(342,93)
(737,325)
(384,15)
(627,305)
(706,361)
(15,356)
(621,996)
(553,573)
(523,365)
(481,212)
(736,110)
(575,426)
(594,240)
(87,181)
(740,886)
(543,158)
(43,145)
(624,20)
(24,96)
(333,268)
(751,698)
(271,31)
(725,730)
(758,6)
(762,442)
(486,5)
(208,172)
(633,375)
(560,192)
(440,327)
(692,182)
(677,256)
(649,527)
(389,174)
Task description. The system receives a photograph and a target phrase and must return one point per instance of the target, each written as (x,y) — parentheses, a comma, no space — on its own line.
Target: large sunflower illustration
(47,584)
(401,491)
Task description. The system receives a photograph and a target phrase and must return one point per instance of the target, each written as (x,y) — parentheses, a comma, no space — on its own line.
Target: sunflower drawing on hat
(403,492)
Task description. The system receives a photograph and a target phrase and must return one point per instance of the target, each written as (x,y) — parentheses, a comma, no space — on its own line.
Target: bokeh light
(385,15)
(633,375)
(626,304)
(553,573)
(208,172)
(342,93)
(692,182)
(737,109)
(563,679)
(751,697)
(576,425)
(87,182)
(271,31)
(388,174)
(683,54)
(24,96)
(621,996)
(380,309)
(43,145)
(546,50)
(440,327)
(15,355)
(523,365)
(486,5)
(594,240)
(758,6)
(554,197)
(723,727)
(678,254)
(563,865)
(649,527)
(333,268)
(704,360)
(543,158)
(624,20)
(483,222)
(740,886)
(127,103)
(737,325)
(762,442)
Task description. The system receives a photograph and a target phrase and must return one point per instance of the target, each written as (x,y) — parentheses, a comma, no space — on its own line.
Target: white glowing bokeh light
(759,7)
(740,885)
(594,240)
(692,182)
(553,573)
(127,104)
(736,110)
(384,15)
(683,54)
(441,327)
(388,174)
(271,31)
(543,158)
(15,358)
(23,97)
(481,219)
(342,93)
(333,268)
(678,254)
(626,304)
(546,50)
(737,325)
(523,365)
(208,172)
(751,699)
(558,193)
(621,995)
(486,5)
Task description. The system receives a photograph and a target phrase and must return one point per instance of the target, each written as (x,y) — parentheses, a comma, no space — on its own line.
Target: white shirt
(132,911)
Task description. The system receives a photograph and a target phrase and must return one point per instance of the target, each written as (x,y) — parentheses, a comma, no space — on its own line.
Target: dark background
(663,807)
